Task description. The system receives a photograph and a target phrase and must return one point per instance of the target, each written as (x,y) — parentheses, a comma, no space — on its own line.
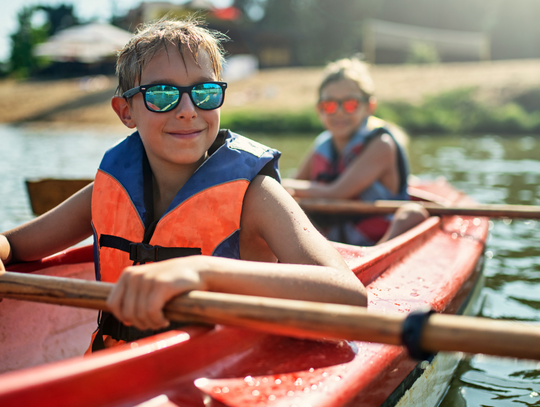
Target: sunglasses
(330,106)
(161,98)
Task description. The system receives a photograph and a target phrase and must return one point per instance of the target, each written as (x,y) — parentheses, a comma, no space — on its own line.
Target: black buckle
(143,252)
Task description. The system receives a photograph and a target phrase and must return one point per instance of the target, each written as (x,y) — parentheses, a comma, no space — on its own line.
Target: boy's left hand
(141,292)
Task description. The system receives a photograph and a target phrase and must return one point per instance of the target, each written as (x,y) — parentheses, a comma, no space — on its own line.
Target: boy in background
(356,157)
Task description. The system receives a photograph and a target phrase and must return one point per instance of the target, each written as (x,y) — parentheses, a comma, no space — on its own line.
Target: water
(491,169)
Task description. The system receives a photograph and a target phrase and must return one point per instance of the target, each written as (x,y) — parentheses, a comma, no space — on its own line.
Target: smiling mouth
(185,133)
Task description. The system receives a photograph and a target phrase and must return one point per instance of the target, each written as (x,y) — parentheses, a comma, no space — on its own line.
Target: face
(183,135)
(341,124)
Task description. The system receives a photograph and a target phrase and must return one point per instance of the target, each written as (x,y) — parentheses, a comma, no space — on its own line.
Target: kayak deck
(434,264)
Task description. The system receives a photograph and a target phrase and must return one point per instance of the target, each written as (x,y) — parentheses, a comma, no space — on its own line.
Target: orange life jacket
(203,218)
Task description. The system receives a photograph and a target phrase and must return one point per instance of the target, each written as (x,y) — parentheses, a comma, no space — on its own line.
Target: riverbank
(472,97)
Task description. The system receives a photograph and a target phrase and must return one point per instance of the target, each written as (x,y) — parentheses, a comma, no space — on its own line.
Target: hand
(142,291)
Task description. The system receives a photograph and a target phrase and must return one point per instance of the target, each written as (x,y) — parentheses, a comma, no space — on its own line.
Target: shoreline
(284,91)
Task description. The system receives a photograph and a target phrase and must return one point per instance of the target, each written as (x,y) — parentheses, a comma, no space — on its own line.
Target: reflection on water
(491,169)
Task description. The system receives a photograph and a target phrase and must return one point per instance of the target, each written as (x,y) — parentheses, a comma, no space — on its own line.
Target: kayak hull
(437,263)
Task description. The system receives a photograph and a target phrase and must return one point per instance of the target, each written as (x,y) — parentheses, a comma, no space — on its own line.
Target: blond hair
(352,69)
(188,34)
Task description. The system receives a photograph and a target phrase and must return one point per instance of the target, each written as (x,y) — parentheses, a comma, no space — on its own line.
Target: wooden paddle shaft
(349,207)
(296,318)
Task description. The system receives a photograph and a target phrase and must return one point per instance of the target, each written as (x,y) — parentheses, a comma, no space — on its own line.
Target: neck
(340,144)
(168,179)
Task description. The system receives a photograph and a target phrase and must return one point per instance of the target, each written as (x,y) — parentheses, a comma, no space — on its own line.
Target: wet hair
(188,35)
(352,69)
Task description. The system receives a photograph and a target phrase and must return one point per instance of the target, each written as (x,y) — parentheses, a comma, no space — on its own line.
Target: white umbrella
(85,43)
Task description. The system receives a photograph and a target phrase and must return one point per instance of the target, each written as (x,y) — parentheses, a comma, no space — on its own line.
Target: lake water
(491,169)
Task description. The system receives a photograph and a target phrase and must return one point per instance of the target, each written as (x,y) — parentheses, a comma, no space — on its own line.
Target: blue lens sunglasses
(161,98)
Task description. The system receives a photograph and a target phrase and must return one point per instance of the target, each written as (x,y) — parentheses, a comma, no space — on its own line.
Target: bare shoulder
(266,199)
(383,144)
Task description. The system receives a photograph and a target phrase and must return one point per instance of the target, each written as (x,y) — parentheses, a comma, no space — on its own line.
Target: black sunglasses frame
(181,89)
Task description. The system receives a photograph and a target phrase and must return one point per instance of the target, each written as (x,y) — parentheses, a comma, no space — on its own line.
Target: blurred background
(462,77)
(439,66)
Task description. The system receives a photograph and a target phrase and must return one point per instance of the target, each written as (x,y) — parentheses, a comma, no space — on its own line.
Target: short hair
(349,68)
(188,34)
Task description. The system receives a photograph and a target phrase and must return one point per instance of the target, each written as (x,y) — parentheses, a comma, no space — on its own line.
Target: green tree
(22,62)
(59,18)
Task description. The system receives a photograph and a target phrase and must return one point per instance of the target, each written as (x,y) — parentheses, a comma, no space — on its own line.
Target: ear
(122,108)
(372,105)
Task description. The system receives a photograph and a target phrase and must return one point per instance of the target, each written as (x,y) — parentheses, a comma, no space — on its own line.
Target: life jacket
(203,218)
(327,165)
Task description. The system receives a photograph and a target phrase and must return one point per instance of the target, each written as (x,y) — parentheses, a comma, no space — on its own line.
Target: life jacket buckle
(143,252)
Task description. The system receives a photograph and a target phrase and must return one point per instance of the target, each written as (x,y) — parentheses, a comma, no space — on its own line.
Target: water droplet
(337,378)
(255,393)
(225,390)
(313,387)
(298,382)
(325,374)
(454,235)
(290,393)
(311,370)
(476,221)
(217,390)
(248,379)
(534,394)
(278,381)
(271,397)
(307,390)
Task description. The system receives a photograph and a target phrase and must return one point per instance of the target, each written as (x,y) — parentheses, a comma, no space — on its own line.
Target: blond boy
(180,187)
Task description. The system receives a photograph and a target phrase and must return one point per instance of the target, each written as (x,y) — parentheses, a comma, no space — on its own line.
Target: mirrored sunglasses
(161,98)
(330,106)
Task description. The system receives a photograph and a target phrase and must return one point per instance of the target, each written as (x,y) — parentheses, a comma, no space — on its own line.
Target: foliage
(22,61)
(285,122)
(59,18)
(457,111)
(422,53)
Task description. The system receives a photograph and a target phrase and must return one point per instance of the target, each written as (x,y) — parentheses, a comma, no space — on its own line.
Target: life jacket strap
(144,252)
(110,326)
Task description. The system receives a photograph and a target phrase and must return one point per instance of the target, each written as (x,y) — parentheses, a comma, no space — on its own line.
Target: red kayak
(436,264)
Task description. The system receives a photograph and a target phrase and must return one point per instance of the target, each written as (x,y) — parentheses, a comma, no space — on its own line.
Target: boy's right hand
(141,292)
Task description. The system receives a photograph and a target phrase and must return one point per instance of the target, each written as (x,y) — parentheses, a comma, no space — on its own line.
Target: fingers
(137,300)
(141,292)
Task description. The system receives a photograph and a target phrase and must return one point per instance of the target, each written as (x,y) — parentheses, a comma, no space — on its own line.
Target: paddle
(349,207)
(45,194)
(296,318)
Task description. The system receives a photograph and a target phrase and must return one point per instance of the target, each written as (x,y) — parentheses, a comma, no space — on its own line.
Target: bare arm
(304,169)
(377,162)
(61,227)
(310,268)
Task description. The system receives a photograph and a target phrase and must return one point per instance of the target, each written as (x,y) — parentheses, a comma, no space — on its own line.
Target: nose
(186,109)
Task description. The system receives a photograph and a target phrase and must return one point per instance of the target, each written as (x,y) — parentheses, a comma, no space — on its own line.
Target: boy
(178,188)
(356,157)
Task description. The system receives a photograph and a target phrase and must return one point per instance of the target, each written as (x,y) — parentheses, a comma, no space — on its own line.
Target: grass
(456,111)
